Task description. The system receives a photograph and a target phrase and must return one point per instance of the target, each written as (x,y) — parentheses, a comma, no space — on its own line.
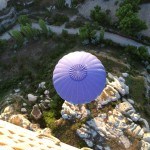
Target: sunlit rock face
(3,4)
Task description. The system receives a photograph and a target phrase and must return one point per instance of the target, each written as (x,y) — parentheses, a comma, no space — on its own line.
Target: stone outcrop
(42,85)
(32,98)
(112,126)
(116,125)
(36,112)
(70,111)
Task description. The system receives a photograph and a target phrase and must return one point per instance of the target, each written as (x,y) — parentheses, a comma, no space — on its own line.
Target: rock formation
(122,125)
(36,113)
(70,111)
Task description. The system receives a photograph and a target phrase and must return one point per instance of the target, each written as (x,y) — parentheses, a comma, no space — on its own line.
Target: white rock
(9,109)
(125,75)
(146,125)
(47,101)
(46,92)
(107,148)
(104,116)
(135,117)
(99,147)
(24,104)
(68,3)
(32,98)
(110,76)
(89,143)
(141,133)
(82,134)
(41,96)
(146,137)
(145,145)
(42,85)
(36,112)
(121,79)
(131,101)
(17,90)
(65,116)
(23,110)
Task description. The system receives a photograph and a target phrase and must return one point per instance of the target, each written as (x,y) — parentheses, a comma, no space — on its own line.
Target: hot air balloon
(79,77)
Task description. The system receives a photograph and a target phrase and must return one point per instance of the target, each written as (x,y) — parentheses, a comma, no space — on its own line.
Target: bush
(45,30)
(87,32)
(129,22)
(140,53)
(18,37)
(23,20)
(99,16)
(60,4)
(49,119)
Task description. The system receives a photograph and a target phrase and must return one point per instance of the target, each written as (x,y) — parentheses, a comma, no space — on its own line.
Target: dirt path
(144,14)
(58,29)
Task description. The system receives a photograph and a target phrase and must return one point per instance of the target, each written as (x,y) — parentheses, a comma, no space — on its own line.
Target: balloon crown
(78,72)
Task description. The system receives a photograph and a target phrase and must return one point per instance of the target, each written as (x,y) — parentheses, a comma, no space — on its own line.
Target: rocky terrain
(111,122)
(120,125)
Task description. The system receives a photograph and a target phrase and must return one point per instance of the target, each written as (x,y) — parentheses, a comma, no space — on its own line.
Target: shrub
(60,4)
(87,32)
(27,32)
(99,16)
(140,53)
(47,32)
(23,20)
(49,119)
(18,37)
(129,23)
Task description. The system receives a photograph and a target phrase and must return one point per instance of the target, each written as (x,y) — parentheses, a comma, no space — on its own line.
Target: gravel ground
(145,16)
(105,5)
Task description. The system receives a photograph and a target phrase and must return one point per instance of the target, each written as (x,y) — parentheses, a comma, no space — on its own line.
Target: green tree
(131,25)
(27,32)
(23,20)
(138,54)
(134,3)
(45,30)
(125,10)
(18,37)
(99,16)
(60,4)
(87,32)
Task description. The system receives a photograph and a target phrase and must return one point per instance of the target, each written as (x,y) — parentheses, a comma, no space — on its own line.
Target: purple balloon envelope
(79,77)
